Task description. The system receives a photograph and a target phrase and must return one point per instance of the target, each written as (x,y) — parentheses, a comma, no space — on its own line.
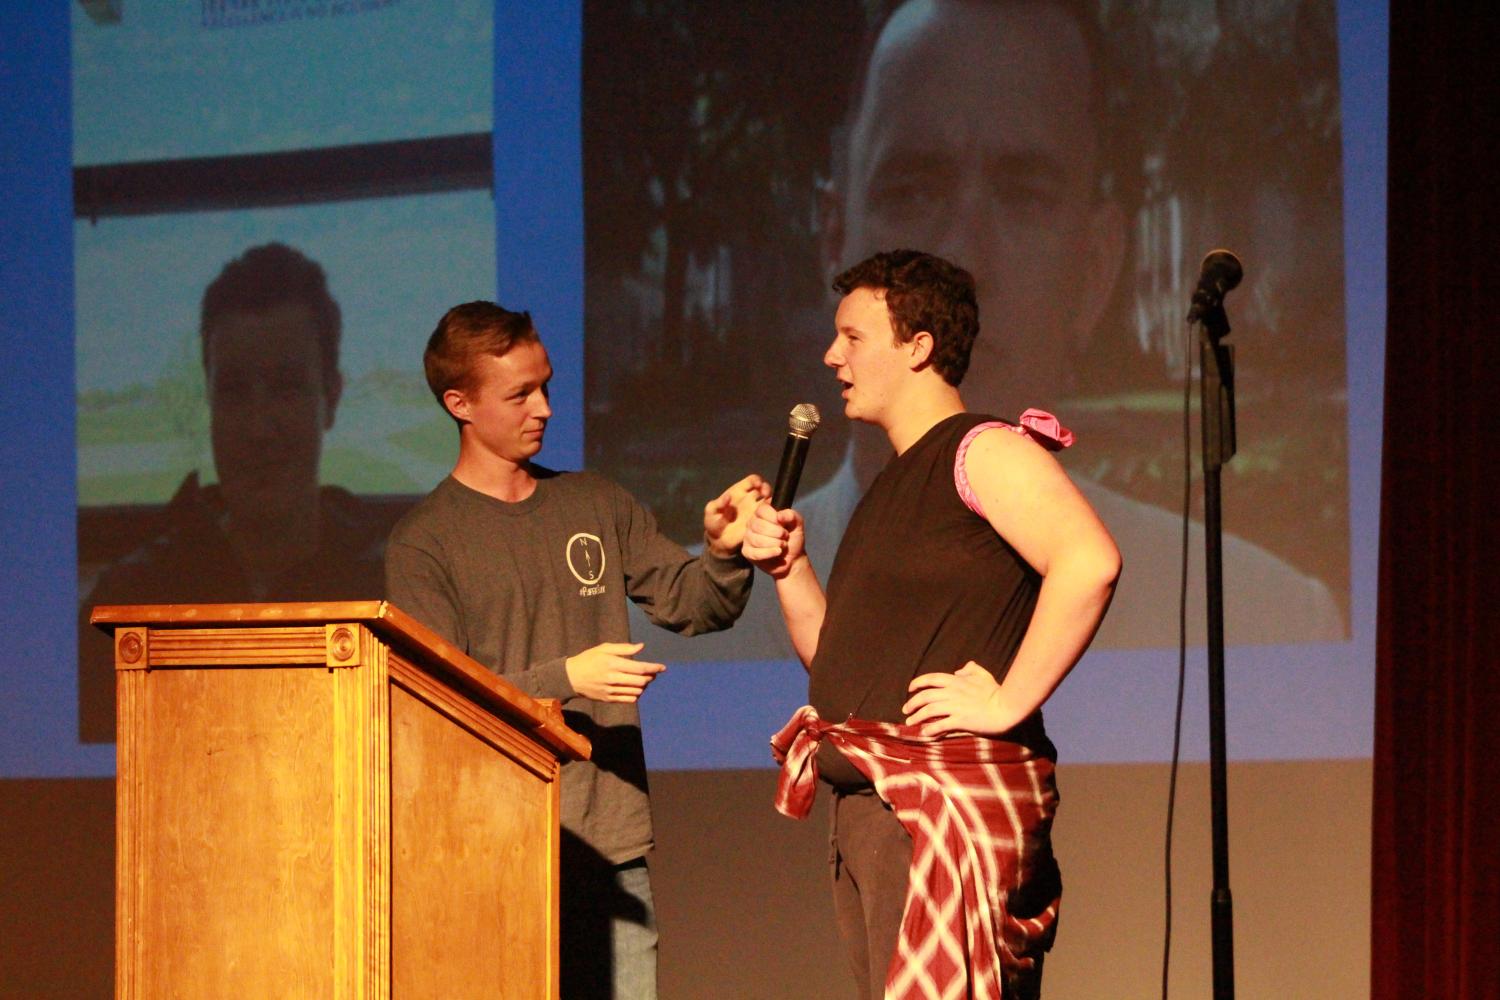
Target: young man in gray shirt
(527,570)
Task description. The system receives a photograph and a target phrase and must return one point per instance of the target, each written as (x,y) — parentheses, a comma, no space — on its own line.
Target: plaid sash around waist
(982,902)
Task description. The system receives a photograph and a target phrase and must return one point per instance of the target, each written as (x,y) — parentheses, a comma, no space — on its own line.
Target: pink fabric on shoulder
(1038,425)
(1045,429)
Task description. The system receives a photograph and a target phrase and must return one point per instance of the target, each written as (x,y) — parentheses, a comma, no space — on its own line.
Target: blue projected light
(522,244)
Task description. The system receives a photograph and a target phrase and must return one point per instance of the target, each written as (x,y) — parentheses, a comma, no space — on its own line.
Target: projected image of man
(976,131)
(266,531)
(976,134)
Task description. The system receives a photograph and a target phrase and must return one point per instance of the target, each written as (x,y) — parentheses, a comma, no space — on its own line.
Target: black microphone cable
(1182,589)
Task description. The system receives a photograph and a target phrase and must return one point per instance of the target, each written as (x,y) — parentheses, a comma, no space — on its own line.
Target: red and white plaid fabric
(979,811)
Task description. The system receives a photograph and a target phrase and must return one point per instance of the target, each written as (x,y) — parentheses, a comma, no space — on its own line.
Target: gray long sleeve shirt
(522,586)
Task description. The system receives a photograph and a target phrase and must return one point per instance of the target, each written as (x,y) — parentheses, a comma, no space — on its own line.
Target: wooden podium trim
(188,647)
(130,885)
(465,714)
(362,810)
(406,636)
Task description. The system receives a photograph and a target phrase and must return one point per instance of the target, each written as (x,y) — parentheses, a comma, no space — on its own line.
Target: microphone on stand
(1220,272)
(800,426)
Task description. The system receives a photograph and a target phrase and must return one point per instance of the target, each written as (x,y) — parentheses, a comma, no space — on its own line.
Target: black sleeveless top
(921,584)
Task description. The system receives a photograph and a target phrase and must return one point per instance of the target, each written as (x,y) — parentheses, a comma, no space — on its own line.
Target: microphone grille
(803,419)
(1222,268)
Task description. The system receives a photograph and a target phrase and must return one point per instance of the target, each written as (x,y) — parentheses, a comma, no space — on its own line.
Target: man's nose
(833,357)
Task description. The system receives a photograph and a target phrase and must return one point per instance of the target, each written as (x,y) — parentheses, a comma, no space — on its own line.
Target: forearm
(1073,599)
(719,594)
(803,605)
(418,583)
(690,595)
(546,679)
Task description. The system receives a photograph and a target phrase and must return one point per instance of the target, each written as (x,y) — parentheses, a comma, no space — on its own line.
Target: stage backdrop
(216,211)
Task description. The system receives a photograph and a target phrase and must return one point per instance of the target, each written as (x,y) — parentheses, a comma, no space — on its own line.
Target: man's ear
(919,349)
(457,404)
(333,391)
(1104,255)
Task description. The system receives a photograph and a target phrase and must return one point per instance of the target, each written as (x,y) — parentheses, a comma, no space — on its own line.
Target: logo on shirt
(586,562)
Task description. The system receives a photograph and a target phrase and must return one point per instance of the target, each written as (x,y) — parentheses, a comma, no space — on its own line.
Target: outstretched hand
(725,516)
(968,701)
(606,672)
(774,539)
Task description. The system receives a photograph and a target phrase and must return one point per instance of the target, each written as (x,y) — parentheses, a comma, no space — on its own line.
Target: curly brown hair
(923,292)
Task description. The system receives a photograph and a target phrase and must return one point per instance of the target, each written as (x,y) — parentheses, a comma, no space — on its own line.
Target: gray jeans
(608,932)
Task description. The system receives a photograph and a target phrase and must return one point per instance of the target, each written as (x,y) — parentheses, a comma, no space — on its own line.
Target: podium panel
(467,856)
(239,898)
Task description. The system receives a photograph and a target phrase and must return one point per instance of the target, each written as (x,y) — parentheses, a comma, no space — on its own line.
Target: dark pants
(871,860)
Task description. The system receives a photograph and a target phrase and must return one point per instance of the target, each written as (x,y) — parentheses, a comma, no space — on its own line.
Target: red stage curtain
(1436,879)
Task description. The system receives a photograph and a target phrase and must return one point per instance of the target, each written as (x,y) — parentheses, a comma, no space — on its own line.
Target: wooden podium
(328,800)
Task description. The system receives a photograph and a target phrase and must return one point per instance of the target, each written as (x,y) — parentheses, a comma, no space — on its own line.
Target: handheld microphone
(1221,271)
(800,426)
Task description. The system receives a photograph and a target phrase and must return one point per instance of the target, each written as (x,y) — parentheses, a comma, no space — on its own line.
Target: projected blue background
(1311,700)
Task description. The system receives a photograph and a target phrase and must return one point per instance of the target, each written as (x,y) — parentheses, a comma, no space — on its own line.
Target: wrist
(1004,711)
(715,547)
(794,570)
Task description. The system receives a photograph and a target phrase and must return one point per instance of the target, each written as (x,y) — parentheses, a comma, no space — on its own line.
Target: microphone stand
(1217,402)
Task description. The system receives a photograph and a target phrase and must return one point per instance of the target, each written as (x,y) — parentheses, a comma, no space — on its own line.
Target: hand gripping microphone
(800,426)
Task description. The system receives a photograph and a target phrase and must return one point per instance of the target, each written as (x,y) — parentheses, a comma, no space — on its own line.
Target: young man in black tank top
(970,580)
